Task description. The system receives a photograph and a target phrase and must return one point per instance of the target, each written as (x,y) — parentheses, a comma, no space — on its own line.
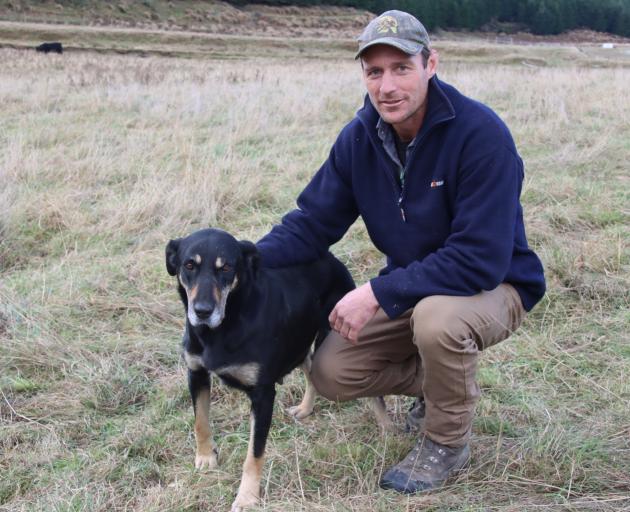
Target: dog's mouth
(213,321)
(209,316)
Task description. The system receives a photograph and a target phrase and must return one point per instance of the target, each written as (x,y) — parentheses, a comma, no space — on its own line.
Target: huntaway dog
(250,326)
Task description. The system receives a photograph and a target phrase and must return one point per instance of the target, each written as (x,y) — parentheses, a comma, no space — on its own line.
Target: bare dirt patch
(572,37)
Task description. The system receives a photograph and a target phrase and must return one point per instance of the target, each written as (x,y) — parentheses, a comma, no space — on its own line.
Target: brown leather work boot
(427,466)
(415,416)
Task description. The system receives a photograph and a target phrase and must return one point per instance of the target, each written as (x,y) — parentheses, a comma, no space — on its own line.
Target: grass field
(104,158)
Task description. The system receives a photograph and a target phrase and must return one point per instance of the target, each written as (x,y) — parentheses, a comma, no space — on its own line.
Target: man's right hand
(353,312)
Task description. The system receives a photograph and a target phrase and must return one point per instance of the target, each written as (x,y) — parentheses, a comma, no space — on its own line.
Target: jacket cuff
(386,297)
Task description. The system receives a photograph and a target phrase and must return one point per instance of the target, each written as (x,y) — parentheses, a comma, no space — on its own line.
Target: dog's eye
(189,265)
(226,268)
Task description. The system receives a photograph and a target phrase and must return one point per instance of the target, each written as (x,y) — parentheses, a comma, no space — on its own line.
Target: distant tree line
(539,16)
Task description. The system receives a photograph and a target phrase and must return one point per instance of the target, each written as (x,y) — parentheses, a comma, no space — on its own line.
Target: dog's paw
(206,461)
(243,502)
(299,412)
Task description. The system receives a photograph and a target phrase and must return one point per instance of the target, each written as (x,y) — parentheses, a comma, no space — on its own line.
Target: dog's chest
(194,361)
(245,374)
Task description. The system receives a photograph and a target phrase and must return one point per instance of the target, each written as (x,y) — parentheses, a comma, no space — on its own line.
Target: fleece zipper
(402,170)
(402,173)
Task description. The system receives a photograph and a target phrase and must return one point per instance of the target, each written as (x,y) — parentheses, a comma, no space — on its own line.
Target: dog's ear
(172,261)
(250,257)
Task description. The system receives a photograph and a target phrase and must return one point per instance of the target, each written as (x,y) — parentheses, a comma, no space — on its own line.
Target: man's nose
(388,83)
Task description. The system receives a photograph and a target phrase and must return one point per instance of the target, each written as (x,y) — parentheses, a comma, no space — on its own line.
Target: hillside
(218,30)
(253,20)
(183,28)
(211,16)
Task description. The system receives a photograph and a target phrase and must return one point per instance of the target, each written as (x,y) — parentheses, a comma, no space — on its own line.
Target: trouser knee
(326,377)
(383,362)
(438,326)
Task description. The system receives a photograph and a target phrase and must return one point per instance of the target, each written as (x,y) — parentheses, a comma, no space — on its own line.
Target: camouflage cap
(395,28)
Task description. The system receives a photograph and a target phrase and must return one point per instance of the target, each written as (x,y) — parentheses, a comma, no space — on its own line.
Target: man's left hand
(353,312)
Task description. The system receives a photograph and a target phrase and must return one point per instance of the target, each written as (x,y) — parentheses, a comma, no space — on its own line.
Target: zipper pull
(402,210)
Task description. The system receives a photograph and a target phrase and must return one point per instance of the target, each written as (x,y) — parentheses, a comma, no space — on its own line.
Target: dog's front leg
(199,386)
(262,398)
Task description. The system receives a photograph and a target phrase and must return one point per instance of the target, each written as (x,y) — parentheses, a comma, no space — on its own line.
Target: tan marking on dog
(377,404)
(206,456)
(193,361)
(249,489)
(246,374)
(218,314)
(216,294)
(186,289)
(219,262)
(197,259)
(234,284)
(305,408)
(193,292)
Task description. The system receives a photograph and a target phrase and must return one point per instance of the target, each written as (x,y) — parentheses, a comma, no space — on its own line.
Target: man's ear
(172,261)
(250,257)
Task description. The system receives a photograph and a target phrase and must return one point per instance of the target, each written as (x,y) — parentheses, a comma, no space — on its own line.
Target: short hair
(426,53)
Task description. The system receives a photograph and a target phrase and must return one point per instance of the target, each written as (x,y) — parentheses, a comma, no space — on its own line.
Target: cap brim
(404,46)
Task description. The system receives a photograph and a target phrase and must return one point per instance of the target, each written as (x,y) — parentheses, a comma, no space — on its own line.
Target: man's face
(397,84)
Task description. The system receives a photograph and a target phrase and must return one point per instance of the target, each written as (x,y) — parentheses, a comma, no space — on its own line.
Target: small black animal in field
(50,48)
(251,326)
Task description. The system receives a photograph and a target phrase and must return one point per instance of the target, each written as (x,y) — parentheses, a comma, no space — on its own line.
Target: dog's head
(210,264)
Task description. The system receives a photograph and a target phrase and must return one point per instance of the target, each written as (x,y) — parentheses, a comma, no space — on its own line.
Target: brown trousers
(431,350)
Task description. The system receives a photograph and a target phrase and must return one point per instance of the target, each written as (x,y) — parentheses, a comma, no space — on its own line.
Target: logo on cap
(387,24)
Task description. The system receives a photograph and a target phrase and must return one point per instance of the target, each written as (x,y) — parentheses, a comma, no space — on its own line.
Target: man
(437,179)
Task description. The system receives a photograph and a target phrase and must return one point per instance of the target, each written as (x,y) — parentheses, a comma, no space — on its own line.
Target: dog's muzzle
(204,313)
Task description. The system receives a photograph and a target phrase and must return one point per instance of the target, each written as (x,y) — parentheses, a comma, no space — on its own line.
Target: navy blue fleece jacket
(454,228)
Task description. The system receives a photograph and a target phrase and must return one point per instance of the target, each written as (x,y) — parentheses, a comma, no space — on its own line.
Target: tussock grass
(105,158)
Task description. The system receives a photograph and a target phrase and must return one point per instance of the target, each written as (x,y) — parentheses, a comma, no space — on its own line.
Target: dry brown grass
(104,158)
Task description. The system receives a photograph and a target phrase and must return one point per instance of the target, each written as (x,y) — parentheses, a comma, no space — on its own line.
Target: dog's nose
(203,310)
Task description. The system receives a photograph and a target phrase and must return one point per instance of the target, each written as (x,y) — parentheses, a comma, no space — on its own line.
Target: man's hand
(353,311)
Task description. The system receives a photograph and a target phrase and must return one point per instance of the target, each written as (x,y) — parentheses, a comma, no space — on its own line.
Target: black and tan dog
(250,326)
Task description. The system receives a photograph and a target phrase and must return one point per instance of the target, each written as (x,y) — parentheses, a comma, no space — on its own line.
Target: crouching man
(436,178)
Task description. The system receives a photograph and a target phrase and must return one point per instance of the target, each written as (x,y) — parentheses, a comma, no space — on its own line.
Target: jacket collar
(440,109)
